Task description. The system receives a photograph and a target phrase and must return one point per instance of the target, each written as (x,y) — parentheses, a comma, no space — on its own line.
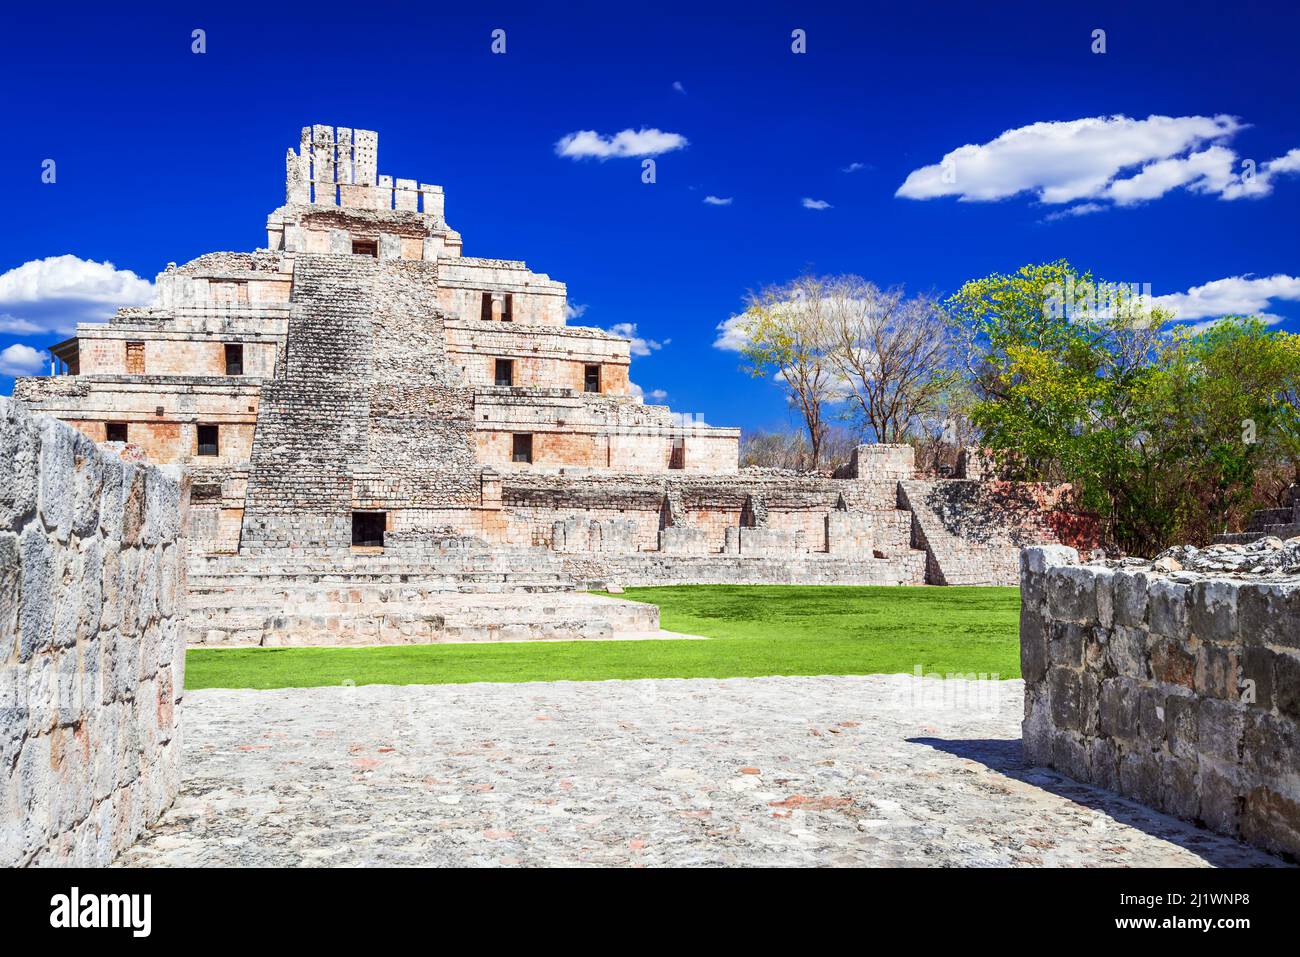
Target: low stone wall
(1179,689)
(92,570)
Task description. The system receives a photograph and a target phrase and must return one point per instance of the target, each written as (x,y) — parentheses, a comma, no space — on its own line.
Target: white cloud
(854,167)
(10,323)
(731,336)
(640,345)
(1261,184)
(1207,171)
(656,395)
(809,203)
(1115,158)
(677,85)
(19,359)
(1234,296)
(1083,209)
(718,200)
(588,144)
(574,310)
(55,293)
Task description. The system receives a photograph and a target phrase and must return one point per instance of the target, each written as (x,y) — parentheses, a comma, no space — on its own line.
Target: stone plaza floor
(881,770)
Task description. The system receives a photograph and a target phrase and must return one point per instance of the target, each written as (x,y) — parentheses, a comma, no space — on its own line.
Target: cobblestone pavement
(868,770)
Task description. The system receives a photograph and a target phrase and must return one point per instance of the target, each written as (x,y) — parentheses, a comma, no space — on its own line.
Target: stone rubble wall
(92,600)
(1182,691)
(973,531)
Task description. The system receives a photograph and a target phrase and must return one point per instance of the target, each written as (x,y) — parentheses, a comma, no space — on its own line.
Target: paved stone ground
(869,770)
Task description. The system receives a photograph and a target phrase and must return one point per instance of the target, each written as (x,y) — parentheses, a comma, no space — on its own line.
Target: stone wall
(1180,690)
(92,585)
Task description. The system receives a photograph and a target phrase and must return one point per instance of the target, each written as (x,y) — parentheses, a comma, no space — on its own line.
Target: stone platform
(459,596)
(871,770)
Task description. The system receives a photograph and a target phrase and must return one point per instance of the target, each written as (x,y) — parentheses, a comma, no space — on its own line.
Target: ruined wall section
(92,586)
(313,424)
(1181,691)
(973,531)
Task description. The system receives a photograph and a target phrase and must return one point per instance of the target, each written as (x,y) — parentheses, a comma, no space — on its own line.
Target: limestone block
(19,455)
(56,465)
(340,242)
(390,246)
(10,578)
(407,195)
(35,614)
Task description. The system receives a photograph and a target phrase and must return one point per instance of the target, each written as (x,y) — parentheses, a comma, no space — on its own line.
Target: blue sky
(163,155)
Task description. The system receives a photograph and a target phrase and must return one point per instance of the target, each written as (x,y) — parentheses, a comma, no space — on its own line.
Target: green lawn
(755,630)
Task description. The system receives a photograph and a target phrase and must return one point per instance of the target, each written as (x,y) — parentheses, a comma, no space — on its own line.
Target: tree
(786,336)
(892,354)
(1160,430)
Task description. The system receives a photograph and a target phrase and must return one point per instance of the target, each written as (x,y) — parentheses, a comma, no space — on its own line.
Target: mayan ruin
(735,437)
(359,398)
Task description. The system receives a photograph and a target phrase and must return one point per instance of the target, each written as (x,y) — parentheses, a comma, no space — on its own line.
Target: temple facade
(360,385)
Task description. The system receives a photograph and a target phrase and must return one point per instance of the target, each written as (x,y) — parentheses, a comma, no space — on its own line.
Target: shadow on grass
(1005,756)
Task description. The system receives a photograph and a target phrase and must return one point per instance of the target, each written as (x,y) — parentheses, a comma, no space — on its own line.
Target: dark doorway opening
(209,440)
(365,247)
(115,432)
(591,378)
(234,358)
(521,447)
(368,529)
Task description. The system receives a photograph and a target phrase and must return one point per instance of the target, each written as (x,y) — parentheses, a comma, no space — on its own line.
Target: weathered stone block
(1066,645)
(1140,774)
(1065,693)
(1033,645)
(20,450)
(1126,652)
(35,614)
(1167,608)
(1130,598)
(1272,821)
(1173,664)
(1257,677)
(1212,611)
(1182,725)
(1178,787)
(1220,725)
(1269,614)
(1286,684)
(1271,748)
(1217,672)
(1119,708)
(1071,593)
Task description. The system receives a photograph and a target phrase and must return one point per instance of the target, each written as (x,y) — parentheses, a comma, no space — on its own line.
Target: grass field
(755,630)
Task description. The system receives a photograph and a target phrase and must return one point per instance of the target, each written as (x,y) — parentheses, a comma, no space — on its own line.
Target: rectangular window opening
(508,308)
(115,432)
(365,247)
(368,529)
(234,358)
(677,457)
(505,372)
(486,313)
(521,447)
(591,378)
(209,440)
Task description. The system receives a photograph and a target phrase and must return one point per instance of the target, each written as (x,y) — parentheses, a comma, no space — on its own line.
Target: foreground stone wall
(92,584)
(1178,689)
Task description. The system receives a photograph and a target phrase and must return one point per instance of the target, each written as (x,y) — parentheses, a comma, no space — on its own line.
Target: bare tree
(786,335)
(891,355)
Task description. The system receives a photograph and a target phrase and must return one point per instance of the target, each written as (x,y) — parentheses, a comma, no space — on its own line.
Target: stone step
(570,617)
